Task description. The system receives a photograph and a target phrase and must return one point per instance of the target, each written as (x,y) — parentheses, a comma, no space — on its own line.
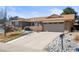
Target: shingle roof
(68,17)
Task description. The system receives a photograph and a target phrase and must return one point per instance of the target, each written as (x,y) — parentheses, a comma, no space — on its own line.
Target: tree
(69,10)
(2,17)
(13,18)
(5,19)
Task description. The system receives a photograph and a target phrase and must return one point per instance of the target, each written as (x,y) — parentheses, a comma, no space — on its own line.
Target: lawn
(10,36)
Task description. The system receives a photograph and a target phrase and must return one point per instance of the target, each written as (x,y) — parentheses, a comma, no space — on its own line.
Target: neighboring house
(57,23)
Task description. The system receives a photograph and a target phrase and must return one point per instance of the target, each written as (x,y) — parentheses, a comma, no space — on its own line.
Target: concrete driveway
(36,41)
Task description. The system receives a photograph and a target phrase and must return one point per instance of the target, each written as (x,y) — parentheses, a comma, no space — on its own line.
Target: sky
(35,11)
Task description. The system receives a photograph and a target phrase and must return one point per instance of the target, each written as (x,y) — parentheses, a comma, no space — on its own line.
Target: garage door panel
(54,27)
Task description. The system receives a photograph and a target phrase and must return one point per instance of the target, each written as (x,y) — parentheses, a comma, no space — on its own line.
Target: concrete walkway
(36,41)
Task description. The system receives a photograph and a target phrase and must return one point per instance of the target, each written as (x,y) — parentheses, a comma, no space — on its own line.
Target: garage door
(54,27)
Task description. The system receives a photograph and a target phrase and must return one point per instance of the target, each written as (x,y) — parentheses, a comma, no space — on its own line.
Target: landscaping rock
(68,44)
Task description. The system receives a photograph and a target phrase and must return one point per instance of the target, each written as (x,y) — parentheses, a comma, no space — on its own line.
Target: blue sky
(35,11)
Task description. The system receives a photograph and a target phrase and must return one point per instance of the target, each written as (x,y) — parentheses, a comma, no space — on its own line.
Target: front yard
(10,36)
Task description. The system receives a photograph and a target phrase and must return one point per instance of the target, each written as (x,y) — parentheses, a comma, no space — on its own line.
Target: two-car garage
(54,27)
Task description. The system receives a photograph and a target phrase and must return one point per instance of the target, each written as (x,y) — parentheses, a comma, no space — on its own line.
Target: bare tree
(5,18)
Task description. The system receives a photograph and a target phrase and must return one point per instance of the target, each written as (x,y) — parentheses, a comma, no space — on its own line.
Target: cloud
(40,13)
(35,14)
(12,11)
(56,11)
